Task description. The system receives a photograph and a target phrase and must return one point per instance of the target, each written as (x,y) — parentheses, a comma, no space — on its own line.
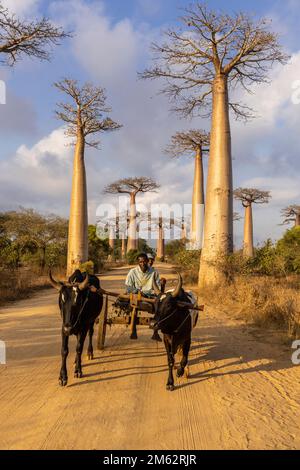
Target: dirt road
(244,392)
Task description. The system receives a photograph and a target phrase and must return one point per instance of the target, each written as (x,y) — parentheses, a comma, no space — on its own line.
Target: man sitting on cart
(140,279)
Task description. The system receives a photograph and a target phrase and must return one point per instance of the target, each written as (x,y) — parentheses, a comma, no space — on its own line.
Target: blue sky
(110,44)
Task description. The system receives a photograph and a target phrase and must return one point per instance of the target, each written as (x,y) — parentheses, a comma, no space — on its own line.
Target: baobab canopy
(188,143)
(210,43)
(250,196)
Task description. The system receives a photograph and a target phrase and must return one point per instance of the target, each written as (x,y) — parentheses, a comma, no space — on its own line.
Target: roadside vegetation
(31,243)
(263,289)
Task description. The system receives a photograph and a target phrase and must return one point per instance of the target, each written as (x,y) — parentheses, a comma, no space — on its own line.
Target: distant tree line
(29,239)
(33,240)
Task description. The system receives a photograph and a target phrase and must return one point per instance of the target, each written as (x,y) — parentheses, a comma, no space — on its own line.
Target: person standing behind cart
(163,281)
(151,259)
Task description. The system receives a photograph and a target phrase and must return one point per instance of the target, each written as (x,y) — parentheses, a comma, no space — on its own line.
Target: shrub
(188,262)
(87,267)
(263,301)
(132,257)
(288,248)
(173,247)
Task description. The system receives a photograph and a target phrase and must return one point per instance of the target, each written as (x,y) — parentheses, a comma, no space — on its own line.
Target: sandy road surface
(243,392)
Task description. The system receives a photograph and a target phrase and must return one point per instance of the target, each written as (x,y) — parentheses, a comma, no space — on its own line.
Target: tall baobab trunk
(297,221)
(123,248)
(218,224)
(198,201)
(183,231)
(111,242)
(132,241)
(161,241)
(78,223)
(117,226)
(248,233)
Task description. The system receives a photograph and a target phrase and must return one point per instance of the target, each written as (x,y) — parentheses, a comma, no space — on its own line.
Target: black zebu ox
(79,308)
(173,318)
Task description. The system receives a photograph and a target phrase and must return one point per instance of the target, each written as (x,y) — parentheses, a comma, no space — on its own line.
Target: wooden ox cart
(131,310)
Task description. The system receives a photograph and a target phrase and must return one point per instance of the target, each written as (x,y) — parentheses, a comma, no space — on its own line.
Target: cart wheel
(102,324)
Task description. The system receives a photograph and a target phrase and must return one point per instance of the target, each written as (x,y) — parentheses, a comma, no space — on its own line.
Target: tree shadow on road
(236,350)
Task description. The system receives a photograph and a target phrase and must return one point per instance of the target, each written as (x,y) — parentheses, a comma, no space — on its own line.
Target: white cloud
(21,7)
(102,47)
(283,190)
(51,150)
(39,176)
(268,145)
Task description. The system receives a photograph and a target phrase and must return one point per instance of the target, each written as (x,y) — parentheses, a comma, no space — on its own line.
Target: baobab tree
(160,252)
(193,143)
(83,114)
(20,38)
(200,63)
(291,214)
(161,224)
(183,231)
(248,197)
(132,187)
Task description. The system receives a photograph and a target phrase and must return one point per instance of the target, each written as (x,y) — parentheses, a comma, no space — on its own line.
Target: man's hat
(150,256)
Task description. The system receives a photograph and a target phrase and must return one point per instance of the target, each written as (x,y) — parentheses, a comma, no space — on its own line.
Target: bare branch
(290,214)
(250,196)
(86,110)
(132,186)
(33,39)
(188,143)
(208,45)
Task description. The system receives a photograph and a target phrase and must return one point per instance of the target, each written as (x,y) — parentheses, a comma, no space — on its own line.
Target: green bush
(87,267)
(270,259)
(186,261)
(173,247)
(288,248)
(98,248)
(131,257)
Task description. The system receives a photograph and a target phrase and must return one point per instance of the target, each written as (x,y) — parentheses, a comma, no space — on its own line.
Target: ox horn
(84,284)
(178,288)
(57,285)
(155,287)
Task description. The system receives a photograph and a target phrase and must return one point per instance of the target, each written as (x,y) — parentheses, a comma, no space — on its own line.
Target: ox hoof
(156,337)
(187,372)
(133,336)
(78,375)
(180,372)
(170,388)
(90,357)
(62,382)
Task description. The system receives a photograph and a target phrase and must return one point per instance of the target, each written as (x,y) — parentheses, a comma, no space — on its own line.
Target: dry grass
(20,284)
(264,301)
